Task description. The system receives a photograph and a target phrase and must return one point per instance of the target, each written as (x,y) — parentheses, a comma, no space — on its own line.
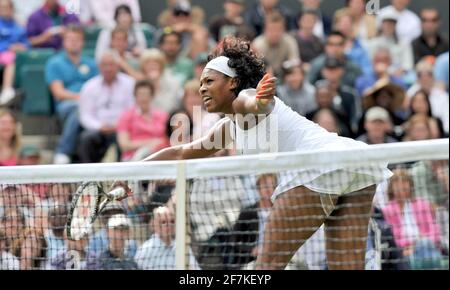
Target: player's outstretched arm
(218,138)
(259,101)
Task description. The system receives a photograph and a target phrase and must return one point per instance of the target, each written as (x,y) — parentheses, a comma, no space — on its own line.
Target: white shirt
(154,254)
(408,23)
(101,104)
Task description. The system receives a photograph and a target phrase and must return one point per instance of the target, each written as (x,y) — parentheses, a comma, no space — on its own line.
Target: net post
(180,218)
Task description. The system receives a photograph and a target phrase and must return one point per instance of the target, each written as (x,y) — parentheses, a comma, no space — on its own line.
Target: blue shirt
(441,68)
(359,56)
(73,77)
(11,33)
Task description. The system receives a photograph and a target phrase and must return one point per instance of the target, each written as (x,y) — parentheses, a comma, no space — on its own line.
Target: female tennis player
(303,201)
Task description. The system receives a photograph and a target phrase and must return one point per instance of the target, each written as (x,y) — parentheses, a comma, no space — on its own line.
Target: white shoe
(7,96)
(61,159)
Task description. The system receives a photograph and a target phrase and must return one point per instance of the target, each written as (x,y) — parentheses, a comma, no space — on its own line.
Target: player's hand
(266,89)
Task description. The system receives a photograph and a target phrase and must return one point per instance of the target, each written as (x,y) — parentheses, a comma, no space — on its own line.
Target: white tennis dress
(296,133)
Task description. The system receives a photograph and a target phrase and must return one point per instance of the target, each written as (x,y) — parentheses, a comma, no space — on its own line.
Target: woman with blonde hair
(10,137)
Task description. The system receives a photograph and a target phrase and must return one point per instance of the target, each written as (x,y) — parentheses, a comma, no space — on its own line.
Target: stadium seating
(91,34)
(37,99)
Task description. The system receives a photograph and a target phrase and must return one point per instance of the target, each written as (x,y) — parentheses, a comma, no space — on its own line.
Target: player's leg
(295,216)
(346,230)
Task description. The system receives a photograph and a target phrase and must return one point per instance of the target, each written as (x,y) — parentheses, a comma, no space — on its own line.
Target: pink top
(139,128)
(424,215)
(9,162)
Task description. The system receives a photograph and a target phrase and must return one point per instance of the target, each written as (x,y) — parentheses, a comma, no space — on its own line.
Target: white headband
(220,64)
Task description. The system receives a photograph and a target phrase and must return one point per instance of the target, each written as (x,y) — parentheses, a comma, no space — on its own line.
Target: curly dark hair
(249,66)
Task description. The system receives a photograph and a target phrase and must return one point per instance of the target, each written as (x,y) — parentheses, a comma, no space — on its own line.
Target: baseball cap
(377,113)
(119,221)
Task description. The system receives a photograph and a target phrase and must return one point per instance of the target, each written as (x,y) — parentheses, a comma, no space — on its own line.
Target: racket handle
(117,194)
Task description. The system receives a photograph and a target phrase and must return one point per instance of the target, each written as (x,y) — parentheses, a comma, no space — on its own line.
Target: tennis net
(221,213)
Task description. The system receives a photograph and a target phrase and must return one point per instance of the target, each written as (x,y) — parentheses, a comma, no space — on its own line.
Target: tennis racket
(87,203)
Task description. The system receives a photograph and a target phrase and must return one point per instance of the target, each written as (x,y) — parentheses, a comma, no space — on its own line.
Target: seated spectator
(102,12)
(401,51)
(114,258)
(136,42)
(323,25)
(326,119)
(12,40)
(420,105)
(256,15)
(325,100)
(381,232)
(365,24)
(441,71)
(382,68)
(141,130)
(418,127)
(167,88)
(377,123)
(386,95)
(65,74)
(126,61)
(344,96)
(166,17)
(54,235)
(343,22)
(7,260)
(413,223)
(438,98)
(46,26)
(75,257)
(158,253)
(408,27)
(276,44)
(10,137)
(431,42)
(102,101)
(335,48)
(431,181)
(177,64)
(295,91)
(310,45)
(190,32)
(230,21)
(99,241)
(25,242)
